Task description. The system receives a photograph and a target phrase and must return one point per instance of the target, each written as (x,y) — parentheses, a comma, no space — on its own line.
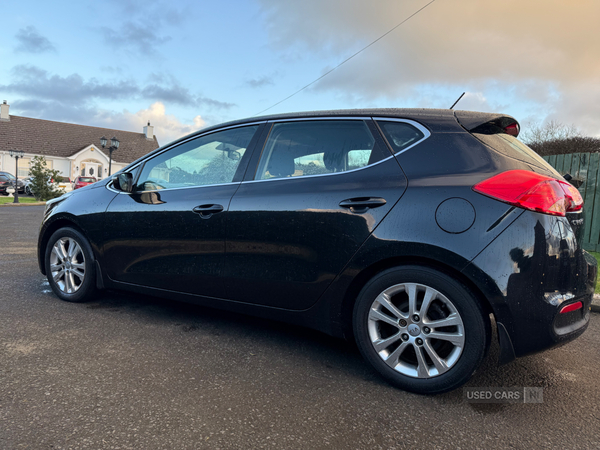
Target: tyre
(70,266)
(27,190)
(421,329)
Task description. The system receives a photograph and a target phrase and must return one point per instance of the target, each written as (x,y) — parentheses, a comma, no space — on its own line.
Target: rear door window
(400,135)
(318,147)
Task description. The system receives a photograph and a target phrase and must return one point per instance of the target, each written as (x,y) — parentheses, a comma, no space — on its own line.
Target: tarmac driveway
(132,372)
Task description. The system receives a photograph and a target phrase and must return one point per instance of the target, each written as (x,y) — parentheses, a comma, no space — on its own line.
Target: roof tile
(49,138)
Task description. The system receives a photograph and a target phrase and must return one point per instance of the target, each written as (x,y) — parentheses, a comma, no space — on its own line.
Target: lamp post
(16,154)
(114,144)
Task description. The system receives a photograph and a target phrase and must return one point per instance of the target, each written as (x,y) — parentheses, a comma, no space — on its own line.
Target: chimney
(149,132)
(4,111)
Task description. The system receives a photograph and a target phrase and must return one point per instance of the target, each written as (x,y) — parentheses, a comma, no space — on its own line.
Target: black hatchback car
(406,230)
(7,180)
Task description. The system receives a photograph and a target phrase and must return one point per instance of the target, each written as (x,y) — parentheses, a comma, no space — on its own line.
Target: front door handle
(361,204)
(206,211)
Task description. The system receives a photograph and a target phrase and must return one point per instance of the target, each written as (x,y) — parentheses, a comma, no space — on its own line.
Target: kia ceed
(412,231)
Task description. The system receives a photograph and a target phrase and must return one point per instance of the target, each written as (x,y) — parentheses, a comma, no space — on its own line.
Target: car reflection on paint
(81,181)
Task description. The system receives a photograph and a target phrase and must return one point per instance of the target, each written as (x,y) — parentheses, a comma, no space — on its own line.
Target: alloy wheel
(416,330)
(67,265)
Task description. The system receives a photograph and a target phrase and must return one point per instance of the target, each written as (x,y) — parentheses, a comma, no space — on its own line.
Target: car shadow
(334,355)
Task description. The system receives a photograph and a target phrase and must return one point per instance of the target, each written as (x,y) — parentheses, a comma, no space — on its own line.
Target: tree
(44,181)
(553,130)
(555,138)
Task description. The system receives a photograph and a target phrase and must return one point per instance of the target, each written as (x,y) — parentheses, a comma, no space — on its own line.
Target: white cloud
(537,54)
(167,127)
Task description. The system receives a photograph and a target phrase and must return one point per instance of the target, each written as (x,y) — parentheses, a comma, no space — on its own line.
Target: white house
(69,148)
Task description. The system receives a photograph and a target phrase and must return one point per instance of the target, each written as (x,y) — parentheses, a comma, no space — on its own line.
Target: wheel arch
(49,230)
(362,278)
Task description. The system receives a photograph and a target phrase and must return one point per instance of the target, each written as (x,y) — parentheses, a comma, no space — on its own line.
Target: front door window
(208,160)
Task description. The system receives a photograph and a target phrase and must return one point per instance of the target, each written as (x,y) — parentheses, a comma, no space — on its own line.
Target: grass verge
(4,200)
(597,256)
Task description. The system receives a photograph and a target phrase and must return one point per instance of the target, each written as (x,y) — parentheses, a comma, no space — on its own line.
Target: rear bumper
(530,273)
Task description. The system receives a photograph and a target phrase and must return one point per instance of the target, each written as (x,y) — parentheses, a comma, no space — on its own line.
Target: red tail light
(532,191)
(571,307)
(513,129)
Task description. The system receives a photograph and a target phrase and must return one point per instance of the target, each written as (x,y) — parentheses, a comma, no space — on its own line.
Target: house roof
(49,138)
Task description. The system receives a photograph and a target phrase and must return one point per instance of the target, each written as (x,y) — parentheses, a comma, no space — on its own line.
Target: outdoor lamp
(16,154)
(114,144)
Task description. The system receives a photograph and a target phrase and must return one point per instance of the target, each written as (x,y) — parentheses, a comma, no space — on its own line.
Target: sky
(186,65)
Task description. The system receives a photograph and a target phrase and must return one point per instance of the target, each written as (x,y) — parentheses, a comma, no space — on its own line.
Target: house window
(23,170)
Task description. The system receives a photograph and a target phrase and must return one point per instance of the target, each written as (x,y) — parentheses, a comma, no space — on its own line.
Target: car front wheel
(421,329)
(70,265)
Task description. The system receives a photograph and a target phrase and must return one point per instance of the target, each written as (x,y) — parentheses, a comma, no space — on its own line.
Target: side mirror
(124,182)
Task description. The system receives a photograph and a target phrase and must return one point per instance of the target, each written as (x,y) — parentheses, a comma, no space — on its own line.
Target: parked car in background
(80,182)
(403,229)
(11,178)
(64,183)
(5,183)
(27,182)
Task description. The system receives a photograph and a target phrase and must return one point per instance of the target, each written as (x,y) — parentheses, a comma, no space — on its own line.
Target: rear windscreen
(87,180)
(510,146)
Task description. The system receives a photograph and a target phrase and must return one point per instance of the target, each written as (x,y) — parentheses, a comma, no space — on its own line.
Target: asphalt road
(130,372)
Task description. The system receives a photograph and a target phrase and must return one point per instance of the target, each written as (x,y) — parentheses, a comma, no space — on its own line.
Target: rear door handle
(362,203)
(206,211)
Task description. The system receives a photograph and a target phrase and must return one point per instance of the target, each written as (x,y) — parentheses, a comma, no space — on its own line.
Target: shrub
(41,183)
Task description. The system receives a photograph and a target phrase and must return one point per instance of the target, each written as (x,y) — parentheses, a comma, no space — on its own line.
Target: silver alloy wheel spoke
(378,315)
(67,265)
(434,333)
(385,343)
(58,275)
(384,300)
(429,296)
(59,247)
(438,362)
(411,290)
(78,273)
(422,371)
(455,338)
(68,283)
(452,319)
(392,358)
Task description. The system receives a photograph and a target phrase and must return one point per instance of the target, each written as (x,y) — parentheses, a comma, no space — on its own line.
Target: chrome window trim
(304,119)
(191,138)
(110,188)
(417,125)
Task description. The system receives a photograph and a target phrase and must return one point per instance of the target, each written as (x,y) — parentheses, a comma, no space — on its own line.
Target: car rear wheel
(70,265)
(421,329)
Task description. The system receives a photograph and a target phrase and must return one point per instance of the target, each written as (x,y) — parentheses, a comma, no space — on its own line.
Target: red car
(83,181)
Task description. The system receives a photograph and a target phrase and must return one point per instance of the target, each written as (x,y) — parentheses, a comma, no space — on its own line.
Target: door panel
(170,232)
(288,235)
(160,241)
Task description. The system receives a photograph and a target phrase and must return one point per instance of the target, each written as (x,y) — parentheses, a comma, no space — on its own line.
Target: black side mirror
(124,182)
